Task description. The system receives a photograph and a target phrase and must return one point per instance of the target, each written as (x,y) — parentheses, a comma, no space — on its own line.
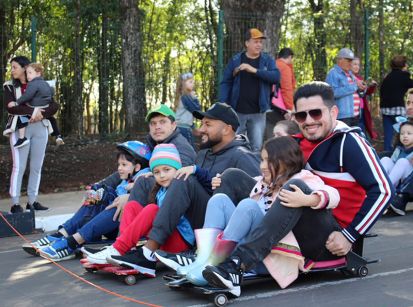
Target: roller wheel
(130,280)
(90,270)
(220,300)
(362,271)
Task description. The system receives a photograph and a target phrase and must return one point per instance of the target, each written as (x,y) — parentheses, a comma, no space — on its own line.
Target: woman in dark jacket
(392,91)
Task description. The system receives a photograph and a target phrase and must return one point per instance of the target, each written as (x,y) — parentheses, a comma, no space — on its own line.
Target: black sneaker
(398,203)
(36,206)
(227,275)
(136,260)
(16,208)
(174,261)
(21,142)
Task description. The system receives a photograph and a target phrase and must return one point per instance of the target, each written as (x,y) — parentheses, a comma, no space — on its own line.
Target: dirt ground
(66,168)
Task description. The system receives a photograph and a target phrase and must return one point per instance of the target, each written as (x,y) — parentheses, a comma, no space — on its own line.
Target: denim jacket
(267,72)
(343,91)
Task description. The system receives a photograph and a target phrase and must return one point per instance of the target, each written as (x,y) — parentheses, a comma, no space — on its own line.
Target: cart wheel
(220,300)
(362,271)
(90,270)
(130,280)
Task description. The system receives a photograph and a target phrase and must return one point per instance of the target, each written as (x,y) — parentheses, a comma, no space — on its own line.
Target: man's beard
(209,144)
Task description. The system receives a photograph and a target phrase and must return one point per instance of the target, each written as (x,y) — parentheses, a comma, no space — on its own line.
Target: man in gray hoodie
(221,148)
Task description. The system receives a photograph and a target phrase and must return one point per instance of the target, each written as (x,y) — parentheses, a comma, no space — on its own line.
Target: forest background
(114,59)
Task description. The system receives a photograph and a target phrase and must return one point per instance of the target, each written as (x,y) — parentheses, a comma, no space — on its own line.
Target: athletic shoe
(59,250)
(227,275)
(136,260)
(36,206)
(59,141)
(174,261)
(32,248)
(21,142)
(398,203)
(16,208)
(100,257)
(86,251)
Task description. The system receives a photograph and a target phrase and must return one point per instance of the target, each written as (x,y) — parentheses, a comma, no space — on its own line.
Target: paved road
(29,281)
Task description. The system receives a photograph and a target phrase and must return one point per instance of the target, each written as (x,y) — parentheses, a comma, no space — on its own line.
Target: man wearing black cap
(246,86)
(221,148)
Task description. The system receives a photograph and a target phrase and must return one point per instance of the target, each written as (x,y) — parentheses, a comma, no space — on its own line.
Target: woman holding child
(36,132)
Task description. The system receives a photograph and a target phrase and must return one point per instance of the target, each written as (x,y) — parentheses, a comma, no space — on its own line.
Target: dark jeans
(184,198)
(92,222)
(388,122)
(187,133)
(236,184)
(310,227)
(53,122)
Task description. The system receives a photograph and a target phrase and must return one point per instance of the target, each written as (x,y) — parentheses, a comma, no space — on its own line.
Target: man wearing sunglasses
(345,161)
(246,86)
(345,86)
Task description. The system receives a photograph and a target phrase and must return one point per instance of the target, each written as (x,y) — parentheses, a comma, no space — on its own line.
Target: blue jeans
(253,125)
(91,222)
(237,222)
(388,122)
(187,133)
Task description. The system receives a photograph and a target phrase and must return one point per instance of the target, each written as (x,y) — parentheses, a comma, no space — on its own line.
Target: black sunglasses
(315,114)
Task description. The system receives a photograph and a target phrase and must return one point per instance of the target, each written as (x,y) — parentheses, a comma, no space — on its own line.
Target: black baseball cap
(220,111)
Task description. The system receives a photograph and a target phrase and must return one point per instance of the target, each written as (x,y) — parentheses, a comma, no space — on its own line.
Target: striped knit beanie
(165,154)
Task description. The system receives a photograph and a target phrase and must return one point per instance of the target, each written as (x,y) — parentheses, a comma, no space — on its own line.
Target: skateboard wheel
(362,271)
(220,300)
(130,280)
(90,270)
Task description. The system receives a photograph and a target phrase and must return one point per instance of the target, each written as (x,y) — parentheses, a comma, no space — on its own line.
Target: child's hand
(297,198)
(185,171)
(146,175)
(119,203)
(216,181)
(11,104)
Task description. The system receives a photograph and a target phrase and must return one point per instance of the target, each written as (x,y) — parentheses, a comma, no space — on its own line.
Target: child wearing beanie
(164,163)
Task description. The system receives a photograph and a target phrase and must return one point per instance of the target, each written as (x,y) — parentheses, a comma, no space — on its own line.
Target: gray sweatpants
(37,133)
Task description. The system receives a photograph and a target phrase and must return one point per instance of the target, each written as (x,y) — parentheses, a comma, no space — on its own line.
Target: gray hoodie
(236,154)
(38,93)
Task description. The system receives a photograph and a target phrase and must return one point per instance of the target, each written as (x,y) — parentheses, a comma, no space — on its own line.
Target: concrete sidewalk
(61,207)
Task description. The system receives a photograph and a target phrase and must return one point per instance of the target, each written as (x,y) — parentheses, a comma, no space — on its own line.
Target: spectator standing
(287,82)
(246,86)
(365,122)
(346,87)
(392,91)
(186,102)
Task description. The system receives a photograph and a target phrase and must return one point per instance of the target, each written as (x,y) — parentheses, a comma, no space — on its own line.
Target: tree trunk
(77,114)
(381,40)
(103,68)
(263,14)
(320,39)
(356,27)
(132,68)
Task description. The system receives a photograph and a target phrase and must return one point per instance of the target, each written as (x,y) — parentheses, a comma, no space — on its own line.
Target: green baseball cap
(162,109)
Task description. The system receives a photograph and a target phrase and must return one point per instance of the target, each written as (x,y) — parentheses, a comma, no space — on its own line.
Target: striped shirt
(356,97)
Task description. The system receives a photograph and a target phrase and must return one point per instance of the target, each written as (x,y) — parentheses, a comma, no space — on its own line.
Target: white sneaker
(100,257)
(59,141)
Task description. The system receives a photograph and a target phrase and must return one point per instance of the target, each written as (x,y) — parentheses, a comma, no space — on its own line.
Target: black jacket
(393,88)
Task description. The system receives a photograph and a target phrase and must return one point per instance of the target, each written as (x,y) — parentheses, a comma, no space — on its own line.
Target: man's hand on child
(185,172)
(119,203)
(216,182)
(297,198)
(129,186)
(38,116)
(11,104)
